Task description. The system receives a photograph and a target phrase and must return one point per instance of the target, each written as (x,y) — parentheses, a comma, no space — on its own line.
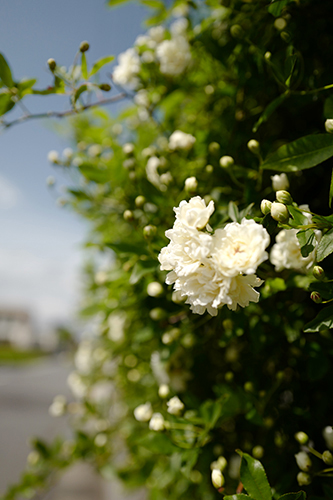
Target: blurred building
(16,328)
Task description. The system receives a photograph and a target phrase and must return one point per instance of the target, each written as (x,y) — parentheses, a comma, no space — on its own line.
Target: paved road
(25,396)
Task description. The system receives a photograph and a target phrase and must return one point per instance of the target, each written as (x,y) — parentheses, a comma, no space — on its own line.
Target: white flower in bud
(53,156)
(303,461)
(328,436)
(156,422)
(175,406)
(128,148)
(217,478)
(128,215)
(221,463)
(265,207)
(163,391)
(258,452)
(284,197)
(280,182)
(254,146)
(329,126)
(191,184)
(143,412)
(154,289)
(303,479)
(226,161)
(279,212)
(327,457)
(181,140)
(301,437)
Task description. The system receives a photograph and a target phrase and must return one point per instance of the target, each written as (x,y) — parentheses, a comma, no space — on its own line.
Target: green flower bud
(213,147)
(265,206)
(105,86)
(236,31)
(248,387)
(128,215)
(279,212)
(254,146)
(319,273)
(284,197)
(51,64)
(226,161)
(303,478)
(327,457)
(258,452)
(84,46)
(140,201)
(329,126)
(301,437)
(316,297)
(157,314)
(149,231)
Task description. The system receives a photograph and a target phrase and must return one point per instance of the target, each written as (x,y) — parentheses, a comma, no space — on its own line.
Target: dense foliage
(225,96)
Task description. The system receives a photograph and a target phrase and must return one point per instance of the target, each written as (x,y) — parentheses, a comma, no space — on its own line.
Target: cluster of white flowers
(128,68)
(212,270)
(286,252)
(174,55)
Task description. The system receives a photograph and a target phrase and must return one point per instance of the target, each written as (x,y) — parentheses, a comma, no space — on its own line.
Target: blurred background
(40,256)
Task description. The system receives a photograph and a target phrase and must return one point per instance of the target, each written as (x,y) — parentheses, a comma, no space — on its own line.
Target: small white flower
(156,422)
(154,289)
(53,156)
(191,184)
(328,436)
(226,161)
(181,140)
(143,412)
(303,461)
(163,391)
(128,148)
(128,68)
(174,55)
(280,182)
(175,405)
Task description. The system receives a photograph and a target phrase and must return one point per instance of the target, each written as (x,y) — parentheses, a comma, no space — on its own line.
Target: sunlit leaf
(253,477)
(325,246)
(323,321)
(5,72)
(99,64)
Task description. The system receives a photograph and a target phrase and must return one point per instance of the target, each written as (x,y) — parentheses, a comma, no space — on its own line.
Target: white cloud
(9,194)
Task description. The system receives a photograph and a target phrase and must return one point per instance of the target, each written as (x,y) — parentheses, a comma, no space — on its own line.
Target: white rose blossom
(128,68)
(181,140)
(174,55)
(286,252)
(210,271)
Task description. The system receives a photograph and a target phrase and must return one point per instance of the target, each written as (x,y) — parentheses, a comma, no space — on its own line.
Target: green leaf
(269,111)
(306,152)
(25,86)
(79,91)
(298,217)
(153,4)
(325,246)
(127,248)
(323,321)
(84,68)
(331,191)
(95,174)
(140,269)
(238,496)
(99,64)
(5,73)
(6,103)
(233,212)
(253,477)
(277,7)
(300,495)
(306,237)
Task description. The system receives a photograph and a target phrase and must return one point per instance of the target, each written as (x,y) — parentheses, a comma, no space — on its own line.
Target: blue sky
(40,243)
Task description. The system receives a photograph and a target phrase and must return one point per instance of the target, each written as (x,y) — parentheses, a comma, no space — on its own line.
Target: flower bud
(154,289)
(213,147)
(258,452)
(128,215)
(328,436)
(143,413)
(329,126)
(191,184)
(327,457)
(226,161)
(217,478)
(265,206)
(156,422)
(84,46)
(51,64)
(280,182)
(284,197)
(248,387)
(303,478)
(157,314)
(301,437)
(279,212)
(105,86)
(149,231)
(163,391)
(53,156)
(175,406)
(303,460)
(236,31)
(319,273)
(254,146)
(140,201)
(316,297)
